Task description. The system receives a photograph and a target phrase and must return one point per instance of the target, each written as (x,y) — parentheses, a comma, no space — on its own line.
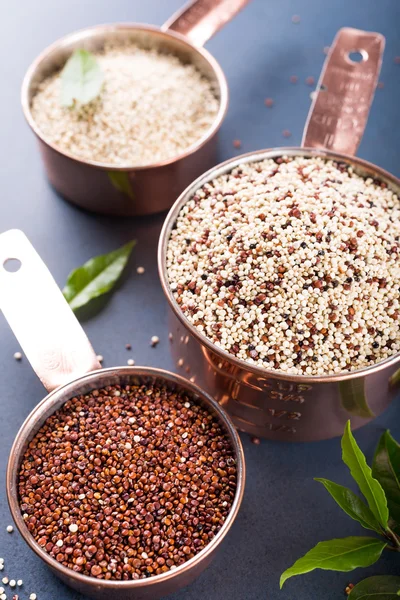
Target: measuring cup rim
(43,410)
(223,168)
(103,29)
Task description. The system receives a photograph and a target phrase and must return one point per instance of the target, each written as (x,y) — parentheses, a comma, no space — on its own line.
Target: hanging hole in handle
(357,56)
(12,265)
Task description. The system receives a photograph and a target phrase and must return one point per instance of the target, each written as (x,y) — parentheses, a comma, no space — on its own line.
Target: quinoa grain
(152,108)
(292,265)
(150,503)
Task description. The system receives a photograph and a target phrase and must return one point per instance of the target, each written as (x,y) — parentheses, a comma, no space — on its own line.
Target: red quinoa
(127,482)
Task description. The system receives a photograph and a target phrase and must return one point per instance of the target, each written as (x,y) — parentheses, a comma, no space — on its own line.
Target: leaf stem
(392,537)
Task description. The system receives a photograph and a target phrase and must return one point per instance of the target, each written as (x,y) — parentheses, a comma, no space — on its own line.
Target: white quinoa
(152,108)
(291,264)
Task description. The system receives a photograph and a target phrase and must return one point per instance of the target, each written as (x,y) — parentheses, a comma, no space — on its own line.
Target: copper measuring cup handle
(339,112)
(40,317)
(198,20)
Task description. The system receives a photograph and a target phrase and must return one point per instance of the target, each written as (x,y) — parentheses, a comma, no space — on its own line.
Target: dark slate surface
(284,512)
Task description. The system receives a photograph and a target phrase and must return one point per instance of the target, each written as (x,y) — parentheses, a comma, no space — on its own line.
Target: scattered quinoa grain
(12,583)
(237,144)
(269,102)
(4,580)
(152,108)
(130,362)
(20,582)
(310,81)
(17,355)
(32,597)
(180,362)
(256,441)
(154,340)
(10,528)
(170,337)
(140,270)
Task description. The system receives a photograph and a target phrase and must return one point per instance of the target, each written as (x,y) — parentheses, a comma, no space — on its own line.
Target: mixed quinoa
(291,264)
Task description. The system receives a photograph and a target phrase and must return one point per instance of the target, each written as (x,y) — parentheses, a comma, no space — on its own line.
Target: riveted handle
(40,317)
(339,112)
(198,20)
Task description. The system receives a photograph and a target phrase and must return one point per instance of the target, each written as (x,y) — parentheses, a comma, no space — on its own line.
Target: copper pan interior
(361,167)
(53,58)
(95,380)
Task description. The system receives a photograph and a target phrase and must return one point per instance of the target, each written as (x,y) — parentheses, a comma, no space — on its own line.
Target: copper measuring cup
(61,355)
(131,190)
(264,402)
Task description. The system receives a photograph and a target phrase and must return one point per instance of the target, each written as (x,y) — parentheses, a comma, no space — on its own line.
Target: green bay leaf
(351,504)
(394,380)
(362,474)
(343,554)
(120,180)
(354,398)
(380,587)
(81,79)
(96,277)
(386,469)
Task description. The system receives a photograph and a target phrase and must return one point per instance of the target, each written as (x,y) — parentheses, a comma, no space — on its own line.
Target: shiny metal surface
(14,244)
(264,402)
(345,90)
(60,351)
(198,20)
(131,190)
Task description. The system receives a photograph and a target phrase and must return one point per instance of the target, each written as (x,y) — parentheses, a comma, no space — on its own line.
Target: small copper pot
(265,402)
(62,356)
(129,191)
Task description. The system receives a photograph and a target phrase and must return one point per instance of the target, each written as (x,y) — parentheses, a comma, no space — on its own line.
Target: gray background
(284,512)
